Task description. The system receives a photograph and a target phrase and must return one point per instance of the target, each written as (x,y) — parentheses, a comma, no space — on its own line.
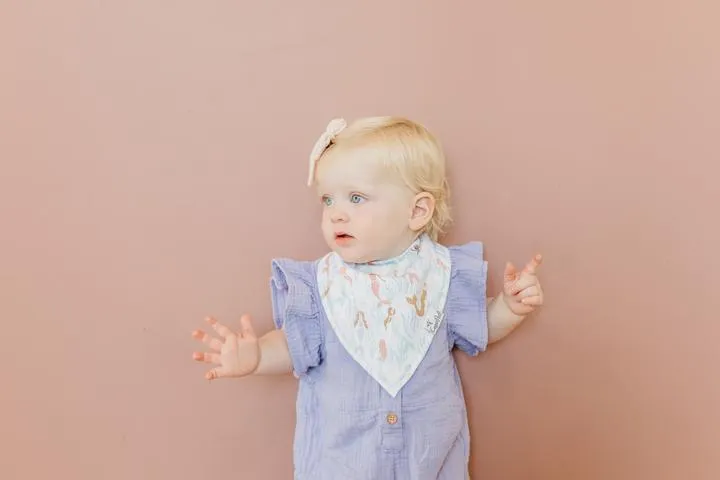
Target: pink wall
(141,146)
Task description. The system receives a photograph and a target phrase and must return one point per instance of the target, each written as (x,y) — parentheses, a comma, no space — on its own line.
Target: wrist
(262,345)
(508,305)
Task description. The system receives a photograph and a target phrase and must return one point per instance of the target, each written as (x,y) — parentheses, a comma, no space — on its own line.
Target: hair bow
(333,128)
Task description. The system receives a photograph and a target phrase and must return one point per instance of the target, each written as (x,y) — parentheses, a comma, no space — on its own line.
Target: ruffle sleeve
(467,298)
(295,310)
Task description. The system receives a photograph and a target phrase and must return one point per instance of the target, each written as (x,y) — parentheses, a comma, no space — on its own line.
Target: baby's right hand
(237,355)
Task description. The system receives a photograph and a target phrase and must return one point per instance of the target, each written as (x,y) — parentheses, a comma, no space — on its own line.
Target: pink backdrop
(153,159)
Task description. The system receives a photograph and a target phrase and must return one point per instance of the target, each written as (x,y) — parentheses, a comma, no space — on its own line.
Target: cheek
(325,219)
(388,212)
(369,214)
(383,218)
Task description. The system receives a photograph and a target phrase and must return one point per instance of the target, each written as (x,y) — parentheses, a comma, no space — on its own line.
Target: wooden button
(392,418)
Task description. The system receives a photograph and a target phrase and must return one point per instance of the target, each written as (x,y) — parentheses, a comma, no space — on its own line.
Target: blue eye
(355,198)
(327,201)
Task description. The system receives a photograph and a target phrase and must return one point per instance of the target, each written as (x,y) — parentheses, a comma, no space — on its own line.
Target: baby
(369,328)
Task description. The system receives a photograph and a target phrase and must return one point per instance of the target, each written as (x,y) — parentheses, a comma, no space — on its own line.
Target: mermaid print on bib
(386,313)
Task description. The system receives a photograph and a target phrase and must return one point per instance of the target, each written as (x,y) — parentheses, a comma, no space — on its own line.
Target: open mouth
(342,237)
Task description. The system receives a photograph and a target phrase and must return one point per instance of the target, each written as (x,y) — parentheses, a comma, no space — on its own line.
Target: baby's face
(366,209)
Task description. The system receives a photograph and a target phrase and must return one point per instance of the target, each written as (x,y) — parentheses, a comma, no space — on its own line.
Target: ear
(422,211)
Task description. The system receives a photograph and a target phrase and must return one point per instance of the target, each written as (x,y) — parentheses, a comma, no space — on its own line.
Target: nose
(338,215)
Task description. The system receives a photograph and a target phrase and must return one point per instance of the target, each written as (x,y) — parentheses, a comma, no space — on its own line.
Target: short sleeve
(467,298)
(295,310)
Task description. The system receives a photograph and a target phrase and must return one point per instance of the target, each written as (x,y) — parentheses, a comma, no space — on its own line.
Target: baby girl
(369,329)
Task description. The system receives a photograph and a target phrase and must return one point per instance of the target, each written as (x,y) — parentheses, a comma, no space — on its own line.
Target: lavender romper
(348,427)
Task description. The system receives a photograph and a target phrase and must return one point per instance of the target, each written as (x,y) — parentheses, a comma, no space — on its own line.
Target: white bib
(386,313)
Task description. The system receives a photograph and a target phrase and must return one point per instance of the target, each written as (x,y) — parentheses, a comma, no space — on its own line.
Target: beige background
(153,162)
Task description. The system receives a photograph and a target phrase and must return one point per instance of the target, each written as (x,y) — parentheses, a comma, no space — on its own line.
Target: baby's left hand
(522,292)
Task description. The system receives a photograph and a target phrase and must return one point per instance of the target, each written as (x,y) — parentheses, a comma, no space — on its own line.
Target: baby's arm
(242,353)
(274,354)
(501,320)
(521,295)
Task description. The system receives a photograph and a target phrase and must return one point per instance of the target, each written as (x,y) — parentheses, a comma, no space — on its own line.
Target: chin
(350,255)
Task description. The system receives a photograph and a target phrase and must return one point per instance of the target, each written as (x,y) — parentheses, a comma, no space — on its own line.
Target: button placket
(391,426)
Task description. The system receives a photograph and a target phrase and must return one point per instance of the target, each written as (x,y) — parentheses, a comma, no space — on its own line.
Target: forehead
(351,167)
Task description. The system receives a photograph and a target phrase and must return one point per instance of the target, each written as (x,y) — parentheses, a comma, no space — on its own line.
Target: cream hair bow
(333,128)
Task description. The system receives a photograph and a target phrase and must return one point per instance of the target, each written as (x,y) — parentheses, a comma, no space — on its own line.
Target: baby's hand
(237,355)
(522,292)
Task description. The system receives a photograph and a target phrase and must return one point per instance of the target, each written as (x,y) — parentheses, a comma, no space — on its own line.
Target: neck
(402,250)
(402,247)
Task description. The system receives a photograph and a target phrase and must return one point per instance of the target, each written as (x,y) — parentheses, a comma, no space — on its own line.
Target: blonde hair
(410,150)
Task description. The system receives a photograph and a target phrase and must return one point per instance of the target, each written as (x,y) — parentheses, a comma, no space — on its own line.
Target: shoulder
(285,270)
(465,257)
(472,249)
(293,287)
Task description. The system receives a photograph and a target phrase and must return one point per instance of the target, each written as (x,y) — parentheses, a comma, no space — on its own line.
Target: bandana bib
(386,313)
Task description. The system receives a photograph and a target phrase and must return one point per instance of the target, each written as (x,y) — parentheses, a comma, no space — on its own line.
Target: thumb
(510,272)
(246,326)
(215,373)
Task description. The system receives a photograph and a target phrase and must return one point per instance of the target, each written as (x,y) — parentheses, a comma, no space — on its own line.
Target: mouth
(342,237)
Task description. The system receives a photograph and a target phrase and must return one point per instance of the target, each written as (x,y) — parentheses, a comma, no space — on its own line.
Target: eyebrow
(356,188)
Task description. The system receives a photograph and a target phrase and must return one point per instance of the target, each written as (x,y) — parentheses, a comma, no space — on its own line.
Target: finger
(510,272)
(208,357)
(216,372)
(530,291)
(536,301)
(221,329)
(211,342)
(533,265)
(246,327)
(521,284)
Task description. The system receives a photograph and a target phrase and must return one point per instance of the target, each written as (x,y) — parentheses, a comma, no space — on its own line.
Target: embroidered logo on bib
(386,313)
